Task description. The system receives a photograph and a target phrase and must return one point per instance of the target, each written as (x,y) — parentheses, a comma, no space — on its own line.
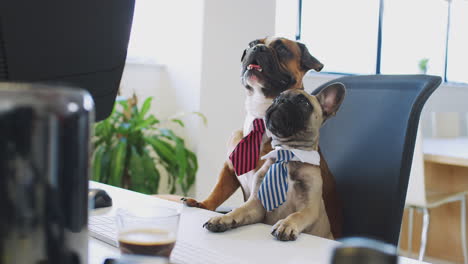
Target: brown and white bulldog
(287,189)
(269,66)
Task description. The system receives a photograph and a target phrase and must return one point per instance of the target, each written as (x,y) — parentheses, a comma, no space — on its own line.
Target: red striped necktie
(247,152)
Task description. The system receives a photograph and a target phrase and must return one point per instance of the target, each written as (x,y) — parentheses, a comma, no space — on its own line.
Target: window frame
(379,40)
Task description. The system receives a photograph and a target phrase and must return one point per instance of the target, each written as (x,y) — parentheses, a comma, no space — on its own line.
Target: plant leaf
(145,107)
(146,123)
(164,150)
(97,163)
(118,163)
(124,104)
(151,173)
(123,129)
(178,121)
(137,172)
(135,113)
(180,153)
(122,145)
(182,161)
(193,167)
(202,116)
(105,164)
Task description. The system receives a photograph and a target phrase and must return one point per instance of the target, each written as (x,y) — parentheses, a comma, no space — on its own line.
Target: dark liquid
(150,242)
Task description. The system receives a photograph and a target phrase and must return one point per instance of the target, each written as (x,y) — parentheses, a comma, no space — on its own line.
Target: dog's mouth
(254,66)
(263,69)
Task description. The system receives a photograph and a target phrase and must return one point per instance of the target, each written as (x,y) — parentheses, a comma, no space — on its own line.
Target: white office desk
(253,242)
(452,151)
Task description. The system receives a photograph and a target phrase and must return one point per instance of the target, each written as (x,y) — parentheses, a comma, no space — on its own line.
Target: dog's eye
(302,100)
(282,49)
(279,99)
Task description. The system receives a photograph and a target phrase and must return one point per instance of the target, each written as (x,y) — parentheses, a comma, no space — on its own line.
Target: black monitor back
(76,43)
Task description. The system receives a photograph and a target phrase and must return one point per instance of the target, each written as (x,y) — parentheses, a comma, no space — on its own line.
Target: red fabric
(246,154)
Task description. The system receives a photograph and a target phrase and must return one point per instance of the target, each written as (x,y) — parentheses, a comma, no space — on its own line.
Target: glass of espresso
(149,231)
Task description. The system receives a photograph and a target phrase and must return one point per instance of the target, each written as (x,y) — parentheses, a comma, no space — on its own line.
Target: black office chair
(369,147)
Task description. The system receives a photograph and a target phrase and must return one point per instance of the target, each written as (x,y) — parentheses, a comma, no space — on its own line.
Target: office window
(342,34)
(413,32)
(417,36)
(457,69)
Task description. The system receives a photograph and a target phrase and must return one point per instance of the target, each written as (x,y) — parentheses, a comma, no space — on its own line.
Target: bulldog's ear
(308,61)
(330,98)
(255,42)
(243,55)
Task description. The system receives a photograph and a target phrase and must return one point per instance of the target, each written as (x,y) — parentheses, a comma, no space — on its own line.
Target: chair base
(432,202)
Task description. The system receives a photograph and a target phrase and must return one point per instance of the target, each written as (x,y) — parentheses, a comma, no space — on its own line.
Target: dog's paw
(220,223)
(192,203)
(285,231)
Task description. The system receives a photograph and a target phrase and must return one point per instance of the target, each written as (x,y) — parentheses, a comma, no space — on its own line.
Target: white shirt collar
(248,124)
(306,156)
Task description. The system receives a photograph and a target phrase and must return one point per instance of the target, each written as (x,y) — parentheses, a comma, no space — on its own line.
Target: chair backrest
(369,146)
(416,193)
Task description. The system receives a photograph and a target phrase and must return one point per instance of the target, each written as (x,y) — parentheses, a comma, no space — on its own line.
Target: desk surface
(452,151)
(254,242)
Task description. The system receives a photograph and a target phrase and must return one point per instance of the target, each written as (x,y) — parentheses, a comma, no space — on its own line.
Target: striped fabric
(246,154)
(272,192)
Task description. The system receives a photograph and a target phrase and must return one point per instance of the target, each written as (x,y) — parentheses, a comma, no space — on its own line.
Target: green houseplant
(423,65)
(131,147)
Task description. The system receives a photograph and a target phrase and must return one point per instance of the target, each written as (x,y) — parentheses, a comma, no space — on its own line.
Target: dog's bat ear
(243,55)
(255,42)
(330,98)
(308,61)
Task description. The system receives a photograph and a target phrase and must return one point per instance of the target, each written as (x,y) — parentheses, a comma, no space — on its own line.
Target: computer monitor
(77,43)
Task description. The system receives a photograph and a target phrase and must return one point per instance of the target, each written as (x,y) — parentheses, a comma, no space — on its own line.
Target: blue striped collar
(306,156)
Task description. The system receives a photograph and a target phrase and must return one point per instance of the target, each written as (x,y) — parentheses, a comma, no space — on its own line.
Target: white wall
(286,18)
(175,78)
(228,27)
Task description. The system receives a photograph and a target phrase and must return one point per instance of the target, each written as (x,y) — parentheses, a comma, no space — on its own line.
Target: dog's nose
(259,47)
